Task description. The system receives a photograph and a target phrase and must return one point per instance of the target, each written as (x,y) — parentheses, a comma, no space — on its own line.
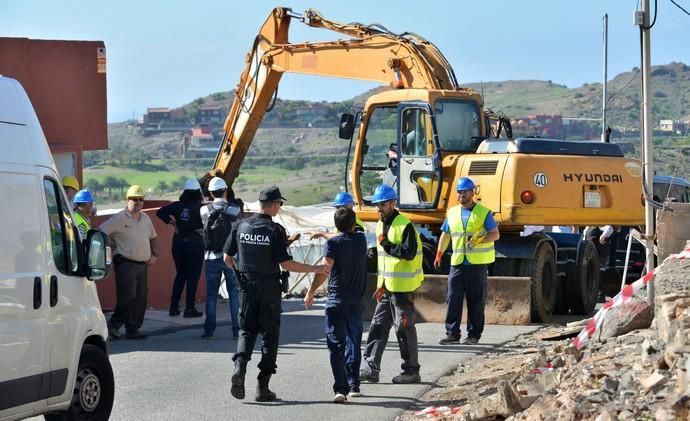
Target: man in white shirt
(215,266)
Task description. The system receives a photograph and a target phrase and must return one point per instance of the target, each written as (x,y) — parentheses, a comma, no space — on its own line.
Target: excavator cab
(419,169)
(402,141)
(398,147)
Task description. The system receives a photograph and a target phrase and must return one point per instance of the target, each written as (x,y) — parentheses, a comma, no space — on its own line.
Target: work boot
(407,378)
(450,340)
(191,313)
(263,394)
(237,380)
(368,374)
(470,340)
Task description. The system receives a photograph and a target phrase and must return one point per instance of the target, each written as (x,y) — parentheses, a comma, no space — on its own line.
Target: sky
(166,53)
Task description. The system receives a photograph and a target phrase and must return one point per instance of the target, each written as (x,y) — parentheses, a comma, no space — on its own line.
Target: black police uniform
(187,251)
(260,245)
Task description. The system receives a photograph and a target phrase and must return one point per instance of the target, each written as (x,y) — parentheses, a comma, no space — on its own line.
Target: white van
(53,356)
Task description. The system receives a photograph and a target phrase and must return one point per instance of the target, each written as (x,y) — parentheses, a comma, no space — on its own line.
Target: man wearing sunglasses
(134,249)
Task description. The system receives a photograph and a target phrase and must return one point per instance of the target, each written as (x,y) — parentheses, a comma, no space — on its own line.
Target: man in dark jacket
(187,246)
(346,254)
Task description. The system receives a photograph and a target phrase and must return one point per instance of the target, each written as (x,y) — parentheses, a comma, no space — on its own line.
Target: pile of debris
(633,367)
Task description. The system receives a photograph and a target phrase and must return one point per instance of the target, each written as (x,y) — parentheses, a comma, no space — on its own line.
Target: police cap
(271,194)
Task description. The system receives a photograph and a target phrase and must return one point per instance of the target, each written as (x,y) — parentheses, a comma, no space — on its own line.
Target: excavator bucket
(507,303)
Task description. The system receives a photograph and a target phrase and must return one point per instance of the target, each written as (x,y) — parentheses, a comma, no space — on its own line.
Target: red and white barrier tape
(539,370)
(437,411)
(626,293)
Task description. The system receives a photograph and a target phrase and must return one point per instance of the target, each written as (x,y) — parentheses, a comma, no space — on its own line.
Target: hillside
(520,98)
(670,91)
(311,163)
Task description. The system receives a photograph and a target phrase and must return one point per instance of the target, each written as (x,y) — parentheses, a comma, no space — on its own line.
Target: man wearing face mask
(134,238)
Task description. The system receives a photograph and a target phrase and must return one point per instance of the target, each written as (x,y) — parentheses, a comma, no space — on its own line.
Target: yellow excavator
(425,132)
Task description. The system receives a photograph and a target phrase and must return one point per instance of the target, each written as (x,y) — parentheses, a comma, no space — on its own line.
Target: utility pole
(647,145)
(606,62)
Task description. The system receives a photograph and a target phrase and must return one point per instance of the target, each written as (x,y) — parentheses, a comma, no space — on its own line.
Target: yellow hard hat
(135,191)
(70,181)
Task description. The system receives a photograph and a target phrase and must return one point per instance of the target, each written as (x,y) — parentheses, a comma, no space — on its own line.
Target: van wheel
(94,388)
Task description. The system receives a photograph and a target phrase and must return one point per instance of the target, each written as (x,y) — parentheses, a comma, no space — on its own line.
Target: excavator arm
(371,53)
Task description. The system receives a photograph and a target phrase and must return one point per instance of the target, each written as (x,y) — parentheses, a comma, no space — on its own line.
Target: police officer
(400,273)
(342,200)
(472,229)
(261,246)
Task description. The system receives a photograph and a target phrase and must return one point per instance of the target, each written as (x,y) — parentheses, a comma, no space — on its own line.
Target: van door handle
(37,292)
(53,290)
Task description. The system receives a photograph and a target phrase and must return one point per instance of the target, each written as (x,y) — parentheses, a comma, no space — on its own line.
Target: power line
(679,6)
(624,86)
(656,9)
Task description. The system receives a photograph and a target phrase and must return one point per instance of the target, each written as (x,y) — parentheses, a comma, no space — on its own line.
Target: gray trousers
(131,291)
(395,308)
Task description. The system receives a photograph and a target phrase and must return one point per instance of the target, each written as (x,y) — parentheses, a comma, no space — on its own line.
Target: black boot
(237,380)
(263,394)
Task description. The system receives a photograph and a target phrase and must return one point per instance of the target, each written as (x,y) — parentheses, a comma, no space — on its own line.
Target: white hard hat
(217,183)
(191,184)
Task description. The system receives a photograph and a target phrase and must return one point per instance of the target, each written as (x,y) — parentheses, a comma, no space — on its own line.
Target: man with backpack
(217,218)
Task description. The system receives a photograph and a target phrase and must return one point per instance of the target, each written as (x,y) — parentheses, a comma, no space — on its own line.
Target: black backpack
(217,228)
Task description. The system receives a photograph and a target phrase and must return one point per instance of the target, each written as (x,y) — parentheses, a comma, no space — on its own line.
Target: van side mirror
(98,257)
(347,126)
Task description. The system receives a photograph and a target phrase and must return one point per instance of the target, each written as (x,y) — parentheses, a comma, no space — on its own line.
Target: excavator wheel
(428,256)
(504,267)
(542,270)
(561,306)
(583,289)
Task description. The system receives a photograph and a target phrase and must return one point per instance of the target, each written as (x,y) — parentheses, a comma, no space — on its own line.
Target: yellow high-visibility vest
(398,275)
(481,253)
(360,224)
(82,224)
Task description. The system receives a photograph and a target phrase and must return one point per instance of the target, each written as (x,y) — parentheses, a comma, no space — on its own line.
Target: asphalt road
(175,375)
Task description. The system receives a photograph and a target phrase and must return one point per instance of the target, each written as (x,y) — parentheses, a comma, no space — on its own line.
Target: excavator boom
(372,53)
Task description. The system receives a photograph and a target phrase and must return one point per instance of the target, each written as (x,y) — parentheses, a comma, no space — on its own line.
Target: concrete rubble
(633,367)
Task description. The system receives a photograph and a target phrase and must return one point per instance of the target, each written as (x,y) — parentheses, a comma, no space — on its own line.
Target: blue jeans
(344,337)
(213,270)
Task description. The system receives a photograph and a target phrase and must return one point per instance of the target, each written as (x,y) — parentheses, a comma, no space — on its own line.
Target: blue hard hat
(82,196)
(343,199)
(465,183)
(384,193)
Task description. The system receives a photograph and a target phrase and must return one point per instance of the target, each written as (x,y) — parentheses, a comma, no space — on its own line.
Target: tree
(93,185)
(162,187)
(110,183)
(294,163)
(121,184)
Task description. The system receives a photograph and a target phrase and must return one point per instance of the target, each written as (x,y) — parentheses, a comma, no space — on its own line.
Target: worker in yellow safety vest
(472,229)
(83,208)
(399,267)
